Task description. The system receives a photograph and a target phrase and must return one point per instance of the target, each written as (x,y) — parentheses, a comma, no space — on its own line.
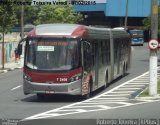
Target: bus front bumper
(73,88)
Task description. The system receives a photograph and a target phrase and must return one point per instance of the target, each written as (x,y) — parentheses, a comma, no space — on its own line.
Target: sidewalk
(10,66)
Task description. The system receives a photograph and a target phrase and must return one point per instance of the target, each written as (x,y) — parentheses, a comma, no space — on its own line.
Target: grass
(146,91)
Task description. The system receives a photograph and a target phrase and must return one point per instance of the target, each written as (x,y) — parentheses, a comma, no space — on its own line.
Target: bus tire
(88,95)
(106,80)
(126,66)
(124,70)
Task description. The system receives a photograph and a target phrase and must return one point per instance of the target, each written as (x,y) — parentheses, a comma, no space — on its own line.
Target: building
(112,12)
(107,12)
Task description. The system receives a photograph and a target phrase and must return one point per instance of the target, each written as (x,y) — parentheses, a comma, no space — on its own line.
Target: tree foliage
(147,22)
(10,14)
(57,14)
(30,13)
(7,17)
(7,21)
(48,14)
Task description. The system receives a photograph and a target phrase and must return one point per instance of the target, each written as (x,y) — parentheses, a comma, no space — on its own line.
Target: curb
(135,94)
(149,98)
(9,69)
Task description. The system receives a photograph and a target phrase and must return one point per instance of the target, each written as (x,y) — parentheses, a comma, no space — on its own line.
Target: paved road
(15,105)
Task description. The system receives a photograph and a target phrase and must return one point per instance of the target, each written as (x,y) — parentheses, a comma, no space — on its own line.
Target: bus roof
(120,33)
(75,30)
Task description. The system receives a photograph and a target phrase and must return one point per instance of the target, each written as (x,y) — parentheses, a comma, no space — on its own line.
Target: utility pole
(126,15)
(153,53)
(22,33)
(3,43)
(22,21)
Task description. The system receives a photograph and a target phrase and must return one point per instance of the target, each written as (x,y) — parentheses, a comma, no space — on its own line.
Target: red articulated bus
(73,59)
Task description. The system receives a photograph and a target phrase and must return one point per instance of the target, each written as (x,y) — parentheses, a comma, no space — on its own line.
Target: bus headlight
(27,77)
(75,78)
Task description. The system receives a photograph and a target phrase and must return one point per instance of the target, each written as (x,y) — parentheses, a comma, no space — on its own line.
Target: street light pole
(22,34)
(22,21)
(126,15)
(153,53)
(3,43)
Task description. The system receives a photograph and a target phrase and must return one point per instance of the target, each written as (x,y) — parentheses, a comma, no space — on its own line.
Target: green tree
(30,13)
(7,21)
(57,14)
(48,14)
(147,21)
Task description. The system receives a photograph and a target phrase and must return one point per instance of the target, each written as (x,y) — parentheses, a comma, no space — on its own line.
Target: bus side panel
(89,70)
(104,62)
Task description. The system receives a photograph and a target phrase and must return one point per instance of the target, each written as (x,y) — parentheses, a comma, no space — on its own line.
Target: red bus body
(96,62)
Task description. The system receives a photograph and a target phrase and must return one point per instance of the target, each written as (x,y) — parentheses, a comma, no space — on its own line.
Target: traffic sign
(153,44)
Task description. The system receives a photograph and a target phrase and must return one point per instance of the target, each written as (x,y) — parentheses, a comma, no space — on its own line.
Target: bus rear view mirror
(20,46)
(19,49)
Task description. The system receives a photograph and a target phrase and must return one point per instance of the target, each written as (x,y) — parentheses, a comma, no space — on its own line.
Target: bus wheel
(40,96)
(106,81)
(124,72)
(88,95)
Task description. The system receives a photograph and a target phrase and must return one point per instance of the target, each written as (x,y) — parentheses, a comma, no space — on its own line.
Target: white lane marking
(137,83)
(116,95)
(122,92)
(100,98)
(45,115)
(132,85)
(93,104)
(57,109)
(118,86)
(129,88)
(16,87)
(111,100)
(104,107)
(87,106)
(124,103)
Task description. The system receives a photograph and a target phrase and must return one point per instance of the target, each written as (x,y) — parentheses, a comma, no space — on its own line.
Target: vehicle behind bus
(137,37)
(73,59)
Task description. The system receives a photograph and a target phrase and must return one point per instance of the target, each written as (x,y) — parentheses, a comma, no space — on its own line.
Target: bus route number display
(45,48)
(153,44)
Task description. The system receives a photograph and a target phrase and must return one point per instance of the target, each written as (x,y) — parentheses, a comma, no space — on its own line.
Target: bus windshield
(52,54)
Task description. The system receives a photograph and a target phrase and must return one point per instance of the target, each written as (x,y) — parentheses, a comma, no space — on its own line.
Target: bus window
(108,51)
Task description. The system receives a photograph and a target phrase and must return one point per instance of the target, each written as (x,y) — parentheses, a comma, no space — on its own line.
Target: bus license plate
(49,91)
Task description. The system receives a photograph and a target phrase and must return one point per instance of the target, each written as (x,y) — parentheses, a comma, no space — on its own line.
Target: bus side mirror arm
(22,40)
(20,47)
